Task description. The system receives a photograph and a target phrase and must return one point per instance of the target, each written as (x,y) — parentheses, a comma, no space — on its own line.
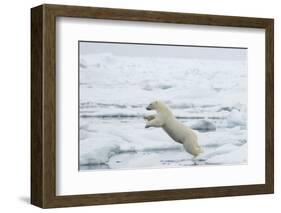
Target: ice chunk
(236,118)
(230,154)
(204,125)
(94,152)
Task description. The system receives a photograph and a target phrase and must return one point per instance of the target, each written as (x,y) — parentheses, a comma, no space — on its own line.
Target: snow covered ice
(209,94)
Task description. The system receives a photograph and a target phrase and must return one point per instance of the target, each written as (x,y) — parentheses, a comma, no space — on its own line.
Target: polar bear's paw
(149,117)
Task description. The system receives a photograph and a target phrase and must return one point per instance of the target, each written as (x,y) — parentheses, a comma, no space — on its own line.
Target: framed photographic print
(135,106)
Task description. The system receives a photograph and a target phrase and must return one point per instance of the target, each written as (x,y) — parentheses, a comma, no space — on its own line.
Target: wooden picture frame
(43,105)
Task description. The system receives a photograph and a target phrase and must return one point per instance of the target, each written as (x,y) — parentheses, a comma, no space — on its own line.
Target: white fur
(173,127)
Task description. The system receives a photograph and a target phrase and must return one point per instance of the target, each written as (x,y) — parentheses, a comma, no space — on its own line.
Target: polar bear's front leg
(149,117)
(156,122)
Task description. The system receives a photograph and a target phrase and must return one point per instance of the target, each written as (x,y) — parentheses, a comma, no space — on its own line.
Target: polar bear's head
(157,105)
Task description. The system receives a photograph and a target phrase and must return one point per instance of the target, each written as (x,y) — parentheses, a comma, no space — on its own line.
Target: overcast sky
(142,50)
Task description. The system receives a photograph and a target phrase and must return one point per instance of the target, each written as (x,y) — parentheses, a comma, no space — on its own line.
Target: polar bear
(173,127)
